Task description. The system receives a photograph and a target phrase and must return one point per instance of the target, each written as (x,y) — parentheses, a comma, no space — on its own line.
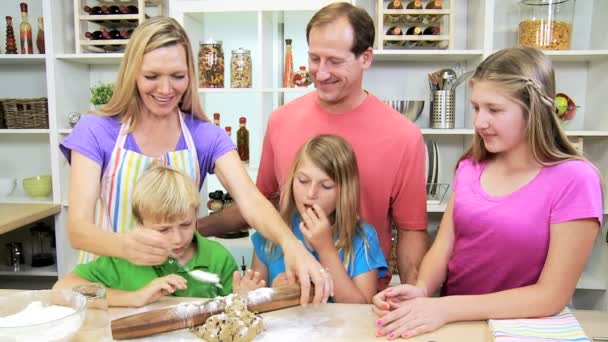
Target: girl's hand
(157,288)
(146,247)
(393,297)
(414,317)
(280,280)
(315,226)
(249,281)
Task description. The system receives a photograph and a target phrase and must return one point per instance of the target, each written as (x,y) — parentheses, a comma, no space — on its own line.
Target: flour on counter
(259,296)
(309,324)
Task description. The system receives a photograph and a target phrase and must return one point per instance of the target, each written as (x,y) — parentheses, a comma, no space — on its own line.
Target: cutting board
(333,322)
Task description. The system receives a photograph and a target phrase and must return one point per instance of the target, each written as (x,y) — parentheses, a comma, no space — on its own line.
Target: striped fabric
(113,211)
(560,327)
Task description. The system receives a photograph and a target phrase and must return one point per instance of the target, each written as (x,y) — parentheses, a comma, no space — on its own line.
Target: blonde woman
(523,217)
(321,203)
(155,114)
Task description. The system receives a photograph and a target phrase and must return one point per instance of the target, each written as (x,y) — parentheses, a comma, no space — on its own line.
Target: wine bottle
(95,10)
(128,9)
(413,5)
(413,31)
(25,32)
(432,18)
(431,31)
(242,140)
(97,35)
(114,9)
(105,9)
(395,4)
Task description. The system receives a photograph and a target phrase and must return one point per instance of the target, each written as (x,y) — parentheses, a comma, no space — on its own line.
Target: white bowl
(7,186)
(54,315)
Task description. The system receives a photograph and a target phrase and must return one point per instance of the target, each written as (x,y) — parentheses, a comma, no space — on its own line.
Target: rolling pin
(190,314)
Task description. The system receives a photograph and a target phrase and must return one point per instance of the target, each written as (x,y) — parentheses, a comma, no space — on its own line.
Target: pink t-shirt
(502,242)
(390,156)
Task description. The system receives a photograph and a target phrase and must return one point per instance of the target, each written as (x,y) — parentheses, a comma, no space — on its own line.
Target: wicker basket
(26,113)
(2,124)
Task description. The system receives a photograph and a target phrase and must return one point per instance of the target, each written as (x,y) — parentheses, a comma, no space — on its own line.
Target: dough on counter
(236,324)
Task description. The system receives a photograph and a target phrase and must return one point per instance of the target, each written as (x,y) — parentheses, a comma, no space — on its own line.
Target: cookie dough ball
(237,324)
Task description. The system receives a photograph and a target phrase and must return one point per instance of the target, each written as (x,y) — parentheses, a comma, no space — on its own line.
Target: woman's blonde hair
(153,33)
(526,75)
(164,194)
(336,158)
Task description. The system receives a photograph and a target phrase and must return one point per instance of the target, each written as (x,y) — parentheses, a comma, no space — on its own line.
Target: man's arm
(226,221)
(411,248)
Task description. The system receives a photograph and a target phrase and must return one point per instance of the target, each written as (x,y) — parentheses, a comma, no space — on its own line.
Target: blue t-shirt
(365,258)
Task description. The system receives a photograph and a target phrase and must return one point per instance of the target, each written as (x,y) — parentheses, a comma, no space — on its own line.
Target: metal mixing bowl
(411,109)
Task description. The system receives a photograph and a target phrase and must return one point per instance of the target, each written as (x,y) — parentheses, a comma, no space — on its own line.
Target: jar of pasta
(211,64)
(240,69)
(546,24)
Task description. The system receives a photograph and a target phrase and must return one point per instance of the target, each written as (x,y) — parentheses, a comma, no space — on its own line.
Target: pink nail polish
(391,335)
(378,323)
(378,333)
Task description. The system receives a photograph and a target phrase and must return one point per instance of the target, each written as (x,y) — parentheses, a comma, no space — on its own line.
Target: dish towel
(559,327)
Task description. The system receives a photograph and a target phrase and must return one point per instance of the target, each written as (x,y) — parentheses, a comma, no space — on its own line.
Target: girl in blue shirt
(321,202)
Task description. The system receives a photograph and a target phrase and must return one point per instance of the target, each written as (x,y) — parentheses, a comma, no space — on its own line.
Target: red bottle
(25,32)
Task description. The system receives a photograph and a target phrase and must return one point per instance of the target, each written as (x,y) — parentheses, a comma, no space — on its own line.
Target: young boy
(165,200)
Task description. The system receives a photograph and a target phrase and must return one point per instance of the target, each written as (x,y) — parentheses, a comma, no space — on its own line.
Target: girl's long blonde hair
(150,35)
(526,75)
(336,158)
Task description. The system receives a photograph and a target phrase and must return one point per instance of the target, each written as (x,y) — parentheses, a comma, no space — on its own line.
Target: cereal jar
(211,64)
(240,69)
(546,24)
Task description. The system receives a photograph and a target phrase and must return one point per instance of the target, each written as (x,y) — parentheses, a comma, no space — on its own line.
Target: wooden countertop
(15,215)
(343,322)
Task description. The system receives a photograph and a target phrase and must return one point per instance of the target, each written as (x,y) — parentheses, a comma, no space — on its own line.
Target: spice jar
(211,64)
(302,77)
(240,69)
(546,24)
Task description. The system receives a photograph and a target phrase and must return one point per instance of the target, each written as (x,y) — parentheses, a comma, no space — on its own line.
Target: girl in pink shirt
(523,217)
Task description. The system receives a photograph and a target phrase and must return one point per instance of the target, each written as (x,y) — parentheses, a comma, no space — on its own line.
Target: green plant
(102,93)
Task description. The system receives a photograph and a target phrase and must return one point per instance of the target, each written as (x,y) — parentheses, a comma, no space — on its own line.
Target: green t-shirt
(210,256)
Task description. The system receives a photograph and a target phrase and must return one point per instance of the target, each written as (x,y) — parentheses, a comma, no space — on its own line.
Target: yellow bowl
(38,186)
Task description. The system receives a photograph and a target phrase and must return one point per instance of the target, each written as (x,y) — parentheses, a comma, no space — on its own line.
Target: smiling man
(389,147)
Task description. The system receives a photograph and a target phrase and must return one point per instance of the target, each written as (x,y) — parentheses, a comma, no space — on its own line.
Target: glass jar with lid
(546,24)
(240,68)
(211,64)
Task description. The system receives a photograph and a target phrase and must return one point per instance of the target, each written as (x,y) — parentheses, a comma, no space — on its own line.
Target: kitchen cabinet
(480,27)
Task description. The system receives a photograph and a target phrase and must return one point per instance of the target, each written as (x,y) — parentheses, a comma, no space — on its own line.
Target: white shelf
(300,90)
(427,55)
(27,270)
(92,58)
(65,131)
(587,133)
(449,131)
(106,17)
(436,208)
(24,131)
(228,90)
(576,55)
(22,59)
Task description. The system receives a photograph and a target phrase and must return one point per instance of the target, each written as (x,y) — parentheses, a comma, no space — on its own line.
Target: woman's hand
(143,246)
(280,280)
(249,281)
(301,264)
(157,288)
(414,317)
(316,228)
(393,297)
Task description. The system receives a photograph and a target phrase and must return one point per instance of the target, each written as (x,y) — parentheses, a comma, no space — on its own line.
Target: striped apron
(113,211)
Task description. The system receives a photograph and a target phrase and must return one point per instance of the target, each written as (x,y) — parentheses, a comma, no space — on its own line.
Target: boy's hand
(157,288)
(247,282)
(316,228)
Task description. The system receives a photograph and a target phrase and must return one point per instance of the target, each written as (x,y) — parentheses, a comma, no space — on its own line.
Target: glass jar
(211,64)
(546,24)
(240,69)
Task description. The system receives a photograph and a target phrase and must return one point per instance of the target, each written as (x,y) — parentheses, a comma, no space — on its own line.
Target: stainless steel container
(443,109)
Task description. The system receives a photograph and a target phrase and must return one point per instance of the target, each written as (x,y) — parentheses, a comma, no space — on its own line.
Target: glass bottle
(211,64)
(40,36)
(11,42)
(432,18)
(242,140)
(395,4)
(413,31)
(288,72)
(546,24)
(216,119)
(25,32)
(240,69)
(413,5)
(228,130)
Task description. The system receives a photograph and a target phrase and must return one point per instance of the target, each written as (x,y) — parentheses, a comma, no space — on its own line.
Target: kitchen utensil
(38,186)
(206,277)
(15,255)
(96,326)
(448,77)
(411,109)
(7,186)
(442,109)
(41,245)
(460,79)
(186,315)
(47,326)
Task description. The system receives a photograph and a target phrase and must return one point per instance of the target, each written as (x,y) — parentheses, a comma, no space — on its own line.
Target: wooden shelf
(13,216)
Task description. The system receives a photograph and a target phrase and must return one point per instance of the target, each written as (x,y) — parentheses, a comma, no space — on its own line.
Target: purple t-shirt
(502,242)
(94,136)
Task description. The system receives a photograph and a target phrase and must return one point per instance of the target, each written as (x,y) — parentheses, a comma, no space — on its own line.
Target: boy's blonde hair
(164,194)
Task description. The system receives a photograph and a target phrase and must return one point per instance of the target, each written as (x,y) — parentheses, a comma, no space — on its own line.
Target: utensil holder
(443,109)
